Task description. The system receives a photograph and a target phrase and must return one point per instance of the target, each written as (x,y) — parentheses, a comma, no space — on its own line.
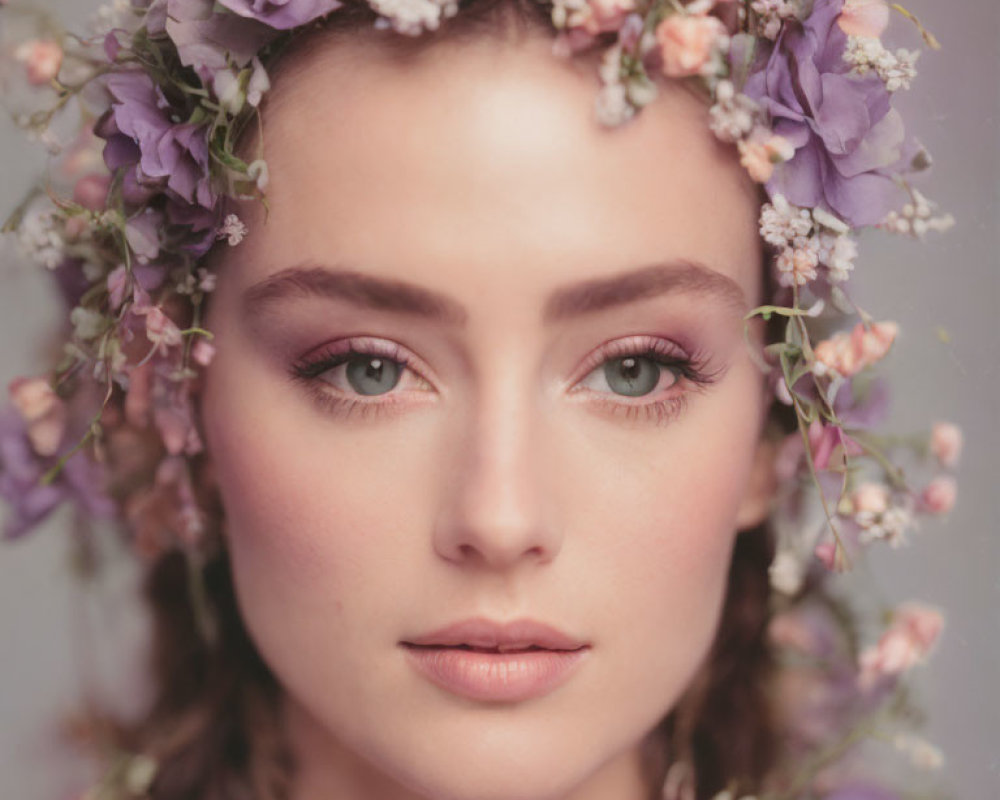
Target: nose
(495,512)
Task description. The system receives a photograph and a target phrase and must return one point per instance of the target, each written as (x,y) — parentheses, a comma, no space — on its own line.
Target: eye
(366,374)
(635,375)
(355,368)
(626,370)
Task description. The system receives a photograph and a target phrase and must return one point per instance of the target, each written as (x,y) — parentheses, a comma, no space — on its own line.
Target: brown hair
(214,727)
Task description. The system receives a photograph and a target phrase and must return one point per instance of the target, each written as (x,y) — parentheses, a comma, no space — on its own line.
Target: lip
(514,661)
(485,633)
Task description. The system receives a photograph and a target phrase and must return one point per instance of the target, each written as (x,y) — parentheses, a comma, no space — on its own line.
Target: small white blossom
(782,224)
(773,13)
(916,218)
(87,323)
(838,253)
(111,15)
(922,754)
(233,230)
(890,525)
(787,572)
(412,17)
(206,280)
(867,54)
(38,239)
(612,106)
(733,116)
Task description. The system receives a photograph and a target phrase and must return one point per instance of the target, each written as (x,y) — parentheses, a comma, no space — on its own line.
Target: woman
(470,481)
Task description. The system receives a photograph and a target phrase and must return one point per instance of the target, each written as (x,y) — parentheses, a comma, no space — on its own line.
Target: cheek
(303,501)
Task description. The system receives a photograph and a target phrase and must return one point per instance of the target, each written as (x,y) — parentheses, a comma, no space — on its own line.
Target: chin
(503,762)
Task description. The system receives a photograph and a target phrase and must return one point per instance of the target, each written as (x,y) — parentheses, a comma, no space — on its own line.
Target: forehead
(480,164)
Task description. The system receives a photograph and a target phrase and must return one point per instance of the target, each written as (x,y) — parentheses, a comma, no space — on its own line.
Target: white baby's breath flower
(838,253)
(112,15)
(916,218)
(787,572)
(733,116)
(39,240)
(87,323)
(412,17)
(782,224)
(773,13)
(867,54)
(922,754)
(233,230)
(612,106)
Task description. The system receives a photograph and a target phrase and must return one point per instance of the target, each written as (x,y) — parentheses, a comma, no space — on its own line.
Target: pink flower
(161,330)
(946,443)
(828,443)
(914,630)
(938,497)
(91,191)
(864,18)
(43,412)
(203,352)
(117,284)
(42,58)
(687,42)
(831,556)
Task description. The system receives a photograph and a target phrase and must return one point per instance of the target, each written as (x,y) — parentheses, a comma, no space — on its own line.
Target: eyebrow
(586,297)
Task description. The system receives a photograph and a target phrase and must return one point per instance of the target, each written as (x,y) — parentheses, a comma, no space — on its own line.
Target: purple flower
(208,41)
(139,131)
(282,14)
(21,471)
(848,140)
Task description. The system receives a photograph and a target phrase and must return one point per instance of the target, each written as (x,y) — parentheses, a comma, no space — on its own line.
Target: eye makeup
(322,373)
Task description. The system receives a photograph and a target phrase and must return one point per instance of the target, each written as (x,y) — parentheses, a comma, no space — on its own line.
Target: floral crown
(802,88)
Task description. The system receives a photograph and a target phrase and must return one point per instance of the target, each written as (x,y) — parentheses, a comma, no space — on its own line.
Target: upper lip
(513,635)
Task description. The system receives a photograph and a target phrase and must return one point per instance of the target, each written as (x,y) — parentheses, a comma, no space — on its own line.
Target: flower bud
(939,495)
(946,443)
(42,58)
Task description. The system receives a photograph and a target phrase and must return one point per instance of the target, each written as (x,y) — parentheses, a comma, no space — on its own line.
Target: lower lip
(500,677)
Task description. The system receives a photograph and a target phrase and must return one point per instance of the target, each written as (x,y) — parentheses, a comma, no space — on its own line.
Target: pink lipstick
(489,661)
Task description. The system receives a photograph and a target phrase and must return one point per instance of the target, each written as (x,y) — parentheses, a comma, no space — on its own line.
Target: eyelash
(689,370)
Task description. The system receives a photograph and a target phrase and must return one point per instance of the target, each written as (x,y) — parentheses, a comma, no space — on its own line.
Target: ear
(761,487)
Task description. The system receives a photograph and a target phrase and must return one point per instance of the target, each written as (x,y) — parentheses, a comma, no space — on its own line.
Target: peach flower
(43,412)
(872,498)
(849,353)
(914,630)
(687,42)
(760,153)
(867,18)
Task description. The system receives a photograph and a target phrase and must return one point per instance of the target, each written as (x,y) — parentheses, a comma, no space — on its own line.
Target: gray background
(57,642)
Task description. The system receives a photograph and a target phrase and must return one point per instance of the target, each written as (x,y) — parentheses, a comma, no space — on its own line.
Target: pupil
(632,375)
(372,374)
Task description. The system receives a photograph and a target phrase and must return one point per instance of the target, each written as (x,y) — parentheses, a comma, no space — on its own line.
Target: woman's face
(550,415)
